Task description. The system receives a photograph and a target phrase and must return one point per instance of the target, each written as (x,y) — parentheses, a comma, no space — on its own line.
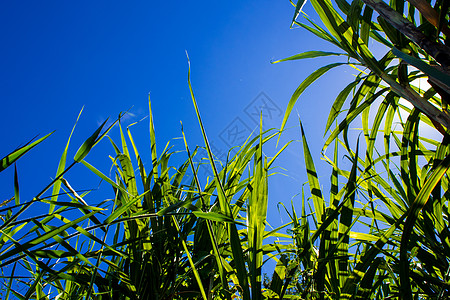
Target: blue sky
(58,56)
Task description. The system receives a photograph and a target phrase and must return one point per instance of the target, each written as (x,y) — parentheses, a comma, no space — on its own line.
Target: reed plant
(166,234)
(400,195)
(381,231)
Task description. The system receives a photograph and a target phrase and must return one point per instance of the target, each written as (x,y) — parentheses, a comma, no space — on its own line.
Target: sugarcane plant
(168,233)
(165,234)
(403,190)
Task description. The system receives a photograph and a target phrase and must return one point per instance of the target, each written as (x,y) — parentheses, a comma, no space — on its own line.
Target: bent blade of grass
(319,32)
(269,164)
(336,25)
(298,9)
(344,124)
(84,207)
(339,102)
(307,82)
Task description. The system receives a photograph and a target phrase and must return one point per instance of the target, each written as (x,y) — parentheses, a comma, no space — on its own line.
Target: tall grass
(399,196)
(381,231)
(166,234)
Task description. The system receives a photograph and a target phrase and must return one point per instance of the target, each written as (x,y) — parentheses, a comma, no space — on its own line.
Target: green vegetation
(382,230)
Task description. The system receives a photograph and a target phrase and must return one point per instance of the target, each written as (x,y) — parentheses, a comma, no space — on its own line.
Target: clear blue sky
(58,56)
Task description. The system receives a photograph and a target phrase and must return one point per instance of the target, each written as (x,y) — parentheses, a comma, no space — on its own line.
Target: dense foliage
(381,231)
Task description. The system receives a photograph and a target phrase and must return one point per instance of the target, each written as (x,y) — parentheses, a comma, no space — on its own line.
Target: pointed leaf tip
(16,154)
(88,144)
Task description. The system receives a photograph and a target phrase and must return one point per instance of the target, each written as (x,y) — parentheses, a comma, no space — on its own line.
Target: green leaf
(42,239)
(412,215)
(256,217)
(103,176)
(345,220)
(16,186)
(218,217)
(298,8)
(62,166)
(308,54)
(424,67)
(307,82)
(336,108)
(88,144)
(313,179)
(16,154)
